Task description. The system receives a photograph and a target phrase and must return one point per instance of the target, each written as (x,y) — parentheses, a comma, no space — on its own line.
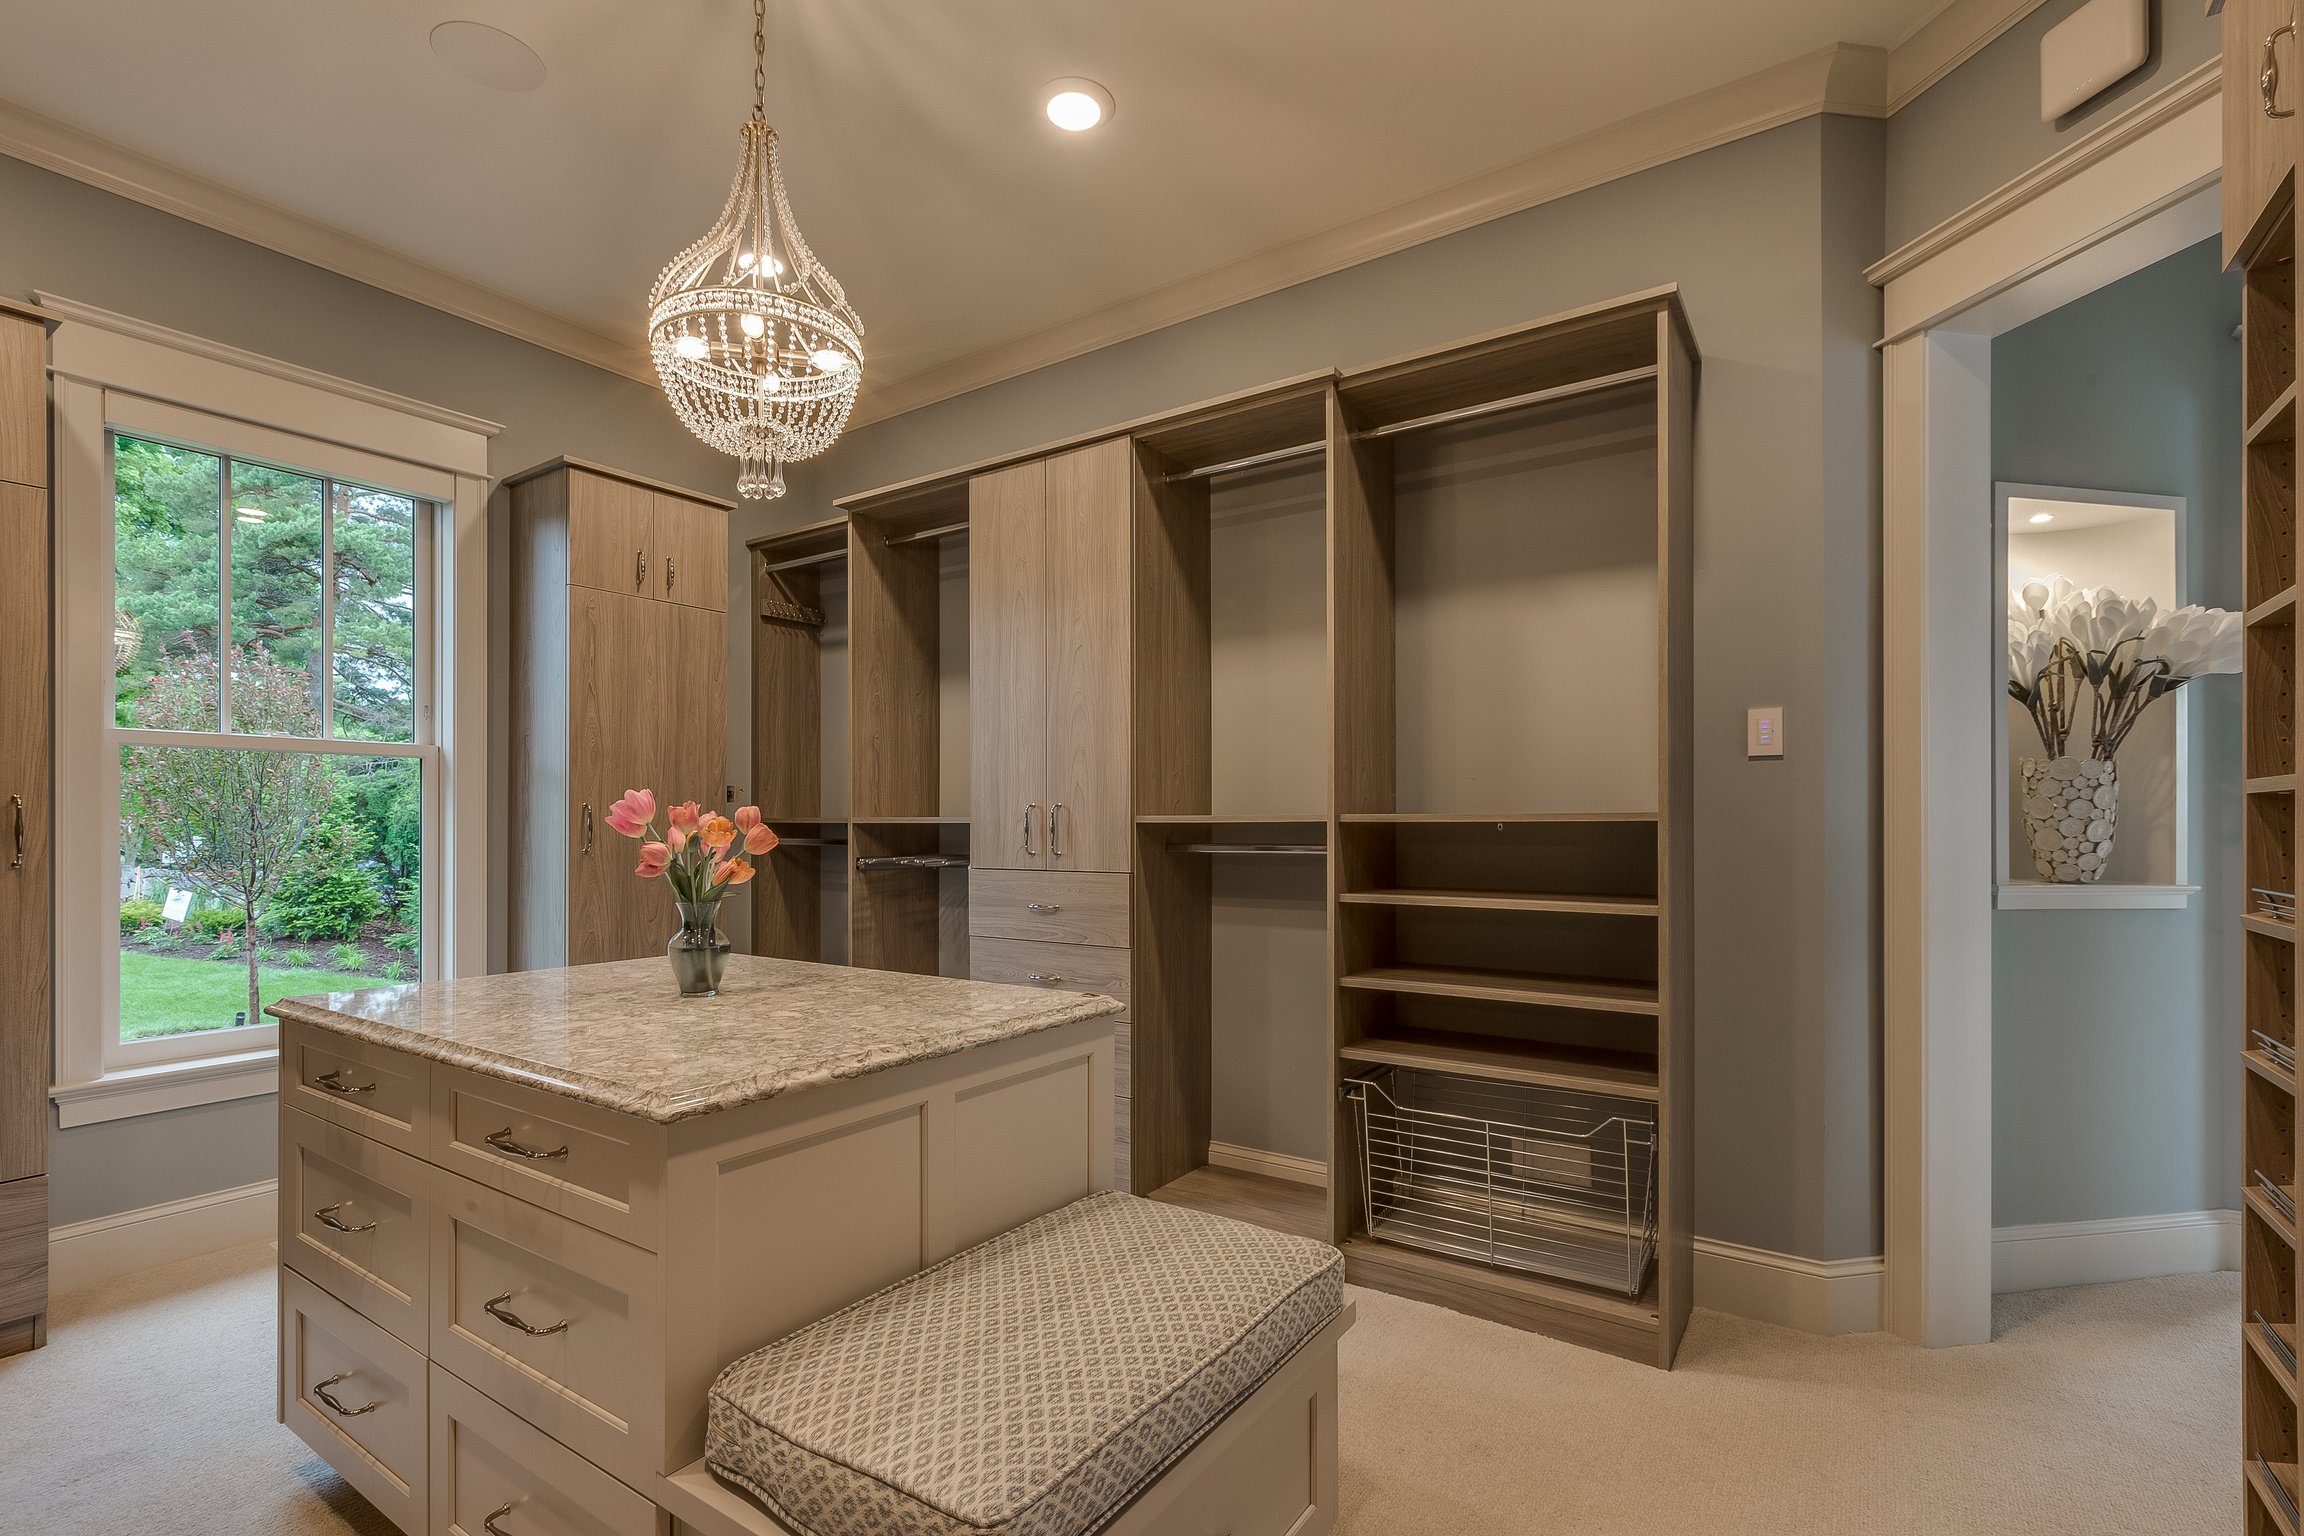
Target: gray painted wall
(1767,238)
(2114,1033)
(65,237)
(1979,127)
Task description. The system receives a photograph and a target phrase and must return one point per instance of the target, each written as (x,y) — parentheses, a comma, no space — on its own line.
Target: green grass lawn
(173,995)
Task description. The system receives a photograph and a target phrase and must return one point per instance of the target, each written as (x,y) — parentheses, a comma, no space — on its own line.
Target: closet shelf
(2270,1498)
(2270,1357)
(1505,901)
(1426,1275)
(2278,423)
(1453,819)
(909,821)
(2271,784)
(2261,1203)
(1203,821)
(1624,1073)
(2279,609)
(2269,1070)
(1589,992)
(2270,927)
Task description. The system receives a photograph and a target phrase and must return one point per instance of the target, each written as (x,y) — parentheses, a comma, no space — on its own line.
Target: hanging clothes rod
(1308,848)
(788,565)
(925,534)
(1253,461)
(911,861)
(1515,403)
(811,842)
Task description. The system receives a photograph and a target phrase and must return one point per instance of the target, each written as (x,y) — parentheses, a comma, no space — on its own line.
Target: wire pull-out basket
(1554,1180)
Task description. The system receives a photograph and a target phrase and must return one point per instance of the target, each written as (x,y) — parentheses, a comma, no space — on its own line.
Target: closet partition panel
(800,675)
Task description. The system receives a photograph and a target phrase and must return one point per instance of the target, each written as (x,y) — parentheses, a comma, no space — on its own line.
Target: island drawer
(355,1218)
(560,1323)
(1059,906)
(487,1463)
(582,1161)
(1058,967)
(380,1093)
(355,1394)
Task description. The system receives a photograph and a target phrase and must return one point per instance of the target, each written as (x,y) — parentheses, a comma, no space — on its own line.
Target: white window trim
(112,370)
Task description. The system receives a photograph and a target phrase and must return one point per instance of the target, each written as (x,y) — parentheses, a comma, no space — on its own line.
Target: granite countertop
(620,1036)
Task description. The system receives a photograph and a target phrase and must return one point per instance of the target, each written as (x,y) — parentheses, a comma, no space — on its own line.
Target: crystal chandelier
(755,343)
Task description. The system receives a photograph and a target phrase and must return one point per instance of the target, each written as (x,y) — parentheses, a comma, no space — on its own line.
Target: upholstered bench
(1116,1366)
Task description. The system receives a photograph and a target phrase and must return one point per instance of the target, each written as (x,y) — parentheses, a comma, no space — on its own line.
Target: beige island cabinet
(526,1219)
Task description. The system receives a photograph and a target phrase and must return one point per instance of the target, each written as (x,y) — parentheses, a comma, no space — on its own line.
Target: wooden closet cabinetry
(25,780)
(1048,632)
(2263,89)
(619,589)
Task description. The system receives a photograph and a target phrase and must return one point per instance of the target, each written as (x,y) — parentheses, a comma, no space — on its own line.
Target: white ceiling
(919,166)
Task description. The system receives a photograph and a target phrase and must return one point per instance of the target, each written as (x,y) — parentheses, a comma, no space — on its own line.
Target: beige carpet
(2098,1411)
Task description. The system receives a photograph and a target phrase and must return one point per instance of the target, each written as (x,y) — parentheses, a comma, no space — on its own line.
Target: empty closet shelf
(1626,1073)
(1589,992)
(1507,901)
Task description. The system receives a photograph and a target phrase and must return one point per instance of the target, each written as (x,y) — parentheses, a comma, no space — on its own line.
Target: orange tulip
(717,832)
(759,840)
(747,817)
(685,816)
(735,872)
(653,858)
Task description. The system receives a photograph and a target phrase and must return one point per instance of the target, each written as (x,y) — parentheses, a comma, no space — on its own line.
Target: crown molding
(1842,79)
(1945,41)
(58,147)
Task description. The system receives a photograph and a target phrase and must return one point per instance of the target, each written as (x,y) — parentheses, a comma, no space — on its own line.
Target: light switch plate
(2089,51)
(1764,731)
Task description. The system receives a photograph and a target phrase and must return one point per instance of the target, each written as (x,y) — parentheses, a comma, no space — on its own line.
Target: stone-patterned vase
(2071,810)
(699,951)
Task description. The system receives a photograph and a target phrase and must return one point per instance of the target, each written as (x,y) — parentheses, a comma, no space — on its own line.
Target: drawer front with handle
(355,1394)
(1061,906)
(1058,967)
(355,1219)
(383,1094)
(495,1475)
(561,1323)
(577,1159)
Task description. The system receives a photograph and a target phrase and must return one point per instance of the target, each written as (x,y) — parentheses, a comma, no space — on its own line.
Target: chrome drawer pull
(2268,78)
(1046,981)
(1055,849)
(320,1391)
(489,1523)
(18,802)
(496,1309)
(1039,906)
(502,1141)
(333,1081)
(326,1216)
(1028,810)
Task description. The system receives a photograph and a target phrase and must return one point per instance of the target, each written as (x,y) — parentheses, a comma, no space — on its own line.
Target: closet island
(526,1219)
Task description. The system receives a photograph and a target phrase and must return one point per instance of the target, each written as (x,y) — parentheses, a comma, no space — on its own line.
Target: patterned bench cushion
(1030,1386)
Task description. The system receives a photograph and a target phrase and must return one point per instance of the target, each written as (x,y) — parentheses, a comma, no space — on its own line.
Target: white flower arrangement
(2124,652)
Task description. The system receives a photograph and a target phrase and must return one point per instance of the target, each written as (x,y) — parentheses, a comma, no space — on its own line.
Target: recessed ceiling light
(1076,105)
(2041,517)
(484,54)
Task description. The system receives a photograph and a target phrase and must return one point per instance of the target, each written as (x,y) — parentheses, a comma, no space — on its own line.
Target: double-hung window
(272,738)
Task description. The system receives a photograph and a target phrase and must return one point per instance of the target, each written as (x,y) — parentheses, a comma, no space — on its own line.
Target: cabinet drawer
(601,1168)
(486,1464)
(1061,907)
(575,1335)
(355,1219)
(381,1093)
(355,1394)
(1069,967)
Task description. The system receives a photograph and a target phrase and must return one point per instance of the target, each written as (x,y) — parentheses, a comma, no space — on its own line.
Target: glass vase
(699,951)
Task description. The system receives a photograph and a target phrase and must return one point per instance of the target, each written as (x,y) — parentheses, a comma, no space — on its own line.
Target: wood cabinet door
(1088,603)
(2260,56)
(612,536)
(1008,667)
(25,892)
(691,552)
(23,401)
(618,706)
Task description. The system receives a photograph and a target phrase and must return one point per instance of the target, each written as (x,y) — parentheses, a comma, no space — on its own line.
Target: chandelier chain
(759,61)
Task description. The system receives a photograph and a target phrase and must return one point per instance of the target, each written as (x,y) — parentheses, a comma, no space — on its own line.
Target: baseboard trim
(1274,1165)
(90,1252)
(1812,1295)
(2125,1248)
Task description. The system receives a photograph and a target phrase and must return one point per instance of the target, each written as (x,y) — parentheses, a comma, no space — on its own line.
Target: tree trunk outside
(249,913)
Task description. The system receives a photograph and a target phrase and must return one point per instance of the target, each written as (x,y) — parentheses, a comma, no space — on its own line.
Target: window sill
(169,1085)
(2031,895)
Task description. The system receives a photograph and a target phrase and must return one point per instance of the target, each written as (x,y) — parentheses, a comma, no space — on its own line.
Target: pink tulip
(653,858)
(629,816)
(758,841)
(747,817)
(677,837)
(717,832)
(685,816)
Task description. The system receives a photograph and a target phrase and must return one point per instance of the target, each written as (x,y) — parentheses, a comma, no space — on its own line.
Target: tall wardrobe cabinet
(25,778)
(619,669)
